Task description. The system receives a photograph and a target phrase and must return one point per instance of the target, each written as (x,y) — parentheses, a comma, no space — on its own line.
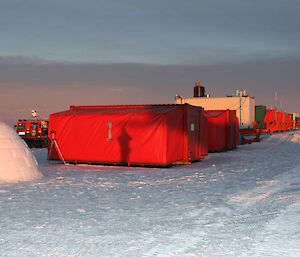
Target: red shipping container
(223,130)
(280,121)
(280,117)
(270,116)
(154,135)
(270,121)
(289,117)
(288,124)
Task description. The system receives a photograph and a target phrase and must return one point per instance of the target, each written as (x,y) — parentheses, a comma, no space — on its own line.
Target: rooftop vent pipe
(199,91)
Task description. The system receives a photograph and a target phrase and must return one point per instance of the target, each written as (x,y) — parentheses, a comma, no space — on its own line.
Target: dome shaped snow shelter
(147,135)
(17,163)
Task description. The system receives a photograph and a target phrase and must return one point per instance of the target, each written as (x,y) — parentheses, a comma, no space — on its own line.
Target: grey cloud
(37,71)
(155,31)
(139,83)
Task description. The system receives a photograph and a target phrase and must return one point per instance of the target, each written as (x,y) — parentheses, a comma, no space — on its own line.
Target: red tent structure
(270,121)
(277,121)
(280,120)
(150,135)
(223,130)
(203,134)
(288,122)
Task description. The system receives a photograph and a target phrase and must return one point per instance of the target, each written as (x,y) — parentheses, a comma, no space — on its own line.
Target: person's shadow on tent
(124,141)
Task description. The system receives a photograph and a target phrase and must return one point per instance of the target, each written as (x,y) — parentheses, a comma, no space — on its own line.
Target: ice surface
(17,163)
(237,203)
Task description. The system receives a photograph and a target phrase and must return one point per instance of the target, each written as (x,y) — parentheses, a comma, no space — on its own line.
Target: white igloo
(17,163)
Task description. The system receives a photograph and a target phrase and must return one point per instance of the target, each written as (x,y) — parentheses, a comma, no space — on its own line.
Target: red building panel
(155,135)
(223,130)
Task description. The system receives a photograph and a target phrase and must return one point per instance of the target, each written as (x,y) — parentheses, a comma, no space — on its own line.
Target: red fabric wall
(193,122)
(204,135)
(289,118)
(270,120)
(137,135)
(223,130)
(278,121)
(288,121)
(280,117)
(270,116)
(216,127)
(233,136)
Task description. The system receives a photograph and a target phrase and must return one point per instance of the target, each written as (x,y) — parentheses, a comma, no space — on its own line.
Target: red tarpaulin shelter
(154,135)
(278,121)
(270,121)
(203,135)
(223,130)
(289,117)
(288,122)
(280,117)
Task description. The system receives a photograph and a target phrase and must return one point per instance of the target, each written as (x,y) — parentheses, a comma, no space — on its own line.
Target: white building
(295,115)
(243,104)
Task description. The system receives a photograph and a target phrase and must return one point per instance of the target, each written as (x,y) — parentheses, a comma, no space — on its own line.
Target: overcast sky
(54,53)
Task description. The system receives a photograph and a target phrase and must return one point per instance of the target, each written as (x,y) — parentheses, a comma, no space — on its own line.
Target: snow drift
(241,203)
(293,137)
(17,163)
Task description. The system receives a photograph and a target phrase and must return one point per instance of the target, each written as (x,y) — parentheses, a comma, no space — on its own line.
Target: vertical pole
(240,110)
(228,130)
(57,148)
(186,136)
(275,100)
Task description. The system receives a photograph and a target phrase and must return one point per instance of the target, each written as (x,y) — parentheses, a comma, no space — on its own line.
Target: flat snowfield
(244,202)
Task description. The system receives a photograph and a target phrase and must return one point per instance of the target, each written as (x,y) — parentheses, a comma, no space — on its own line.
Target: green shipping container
(260,113)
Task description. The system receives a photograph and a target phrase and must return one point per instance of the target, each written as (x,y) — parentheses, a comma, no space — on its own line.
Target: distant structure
(35,115)
(242,103)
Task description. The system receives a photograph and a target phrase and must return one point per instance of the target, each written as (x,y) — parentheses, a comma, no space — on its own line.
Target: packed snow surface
(17,163)
(244,202)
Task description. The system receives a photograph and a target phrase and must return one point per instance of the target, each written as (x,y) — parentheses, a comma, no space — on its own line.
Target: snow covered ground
(244,202)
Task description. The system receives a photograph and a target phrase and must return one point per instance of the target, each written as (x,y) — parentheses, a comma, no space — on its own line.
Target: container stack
(277,121)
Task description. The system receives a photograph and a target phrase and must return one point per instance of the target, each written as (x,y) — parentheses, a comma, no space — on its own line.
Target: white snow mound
(293,136)
(17,162)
